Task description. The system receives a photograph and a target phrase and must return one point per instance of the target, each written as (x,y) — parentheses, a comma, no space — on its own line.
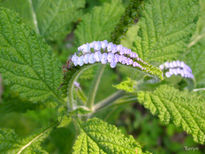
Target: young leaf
(52,19)
(165,27)
(195,59)
(99,24)
(184,109)
(96,136)
(26,61)
(10,142)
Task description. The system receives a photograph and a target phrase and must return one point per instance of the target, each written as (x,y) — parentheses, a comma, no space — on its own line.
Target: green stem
(108,100)
(71,85)
(95,85)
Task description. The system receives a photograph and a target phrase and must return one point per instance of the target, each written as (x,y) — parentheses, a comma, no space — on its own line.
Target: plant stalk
(108,100)
(95,85)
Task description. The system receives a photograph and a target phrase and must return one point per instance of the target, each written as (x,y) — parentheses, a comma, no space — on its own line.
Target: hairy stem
(71,86)
(94,86)
(199,89)
(108,100)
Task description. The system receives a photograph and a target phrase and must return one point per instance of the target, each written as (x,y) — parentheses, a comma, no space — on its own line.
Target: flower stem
(108,100)
(94,86)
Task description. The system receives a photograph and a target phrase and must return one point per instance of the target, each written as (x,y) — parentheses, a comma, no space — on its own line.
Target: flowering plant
(70,71)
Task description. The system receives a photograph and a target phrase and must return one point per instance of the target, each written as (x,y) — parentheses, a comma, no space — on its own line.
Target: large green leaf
(184,109)
(52,19)
(99,24)
(97,136)
(165,28)
(11,143)
(26,61)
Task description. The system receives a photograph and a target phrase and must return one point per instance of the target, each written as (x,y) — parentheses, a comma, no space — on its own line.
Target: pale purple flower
(120,59)
(116,58)
(97,56)
(168,74)
(119,48)
(114,49)
(110,47)
(92,44)
(97,46)
(91,58)
(110,57)
(104,44)
(85,48)
(75,59)
(76,84)
(104,58)
(80,61)
(86,58)
(113,64)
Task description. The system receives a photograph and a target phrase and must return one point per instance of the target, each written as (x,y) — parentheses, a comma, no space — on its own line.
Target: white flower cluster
(105,52)
(177,68)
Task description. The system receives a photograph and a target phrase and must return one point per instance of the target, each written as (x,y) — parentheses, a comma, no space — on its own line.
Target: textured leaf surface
(196,60)
(52,19)
(97,136)
(184,109)
(11,143)
(200,33)
(26,62)
(99,24)
(165,28)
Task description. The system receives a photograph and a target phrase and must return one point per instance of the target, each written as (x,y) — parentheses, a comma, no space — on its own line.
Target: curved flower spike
(105,52)
(177,68)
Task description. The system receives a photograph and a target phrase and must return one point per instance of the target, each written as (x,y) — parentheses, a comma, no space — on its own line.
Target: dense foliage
(49,104)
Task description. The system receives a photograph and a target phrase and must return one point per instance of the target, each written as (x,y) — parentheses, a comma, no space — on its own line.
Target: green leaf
(26,61)
(195,59)
(200,33)
(184,109)
(52,19)
(128,85)
(130,36)
(11,143)
(97,136)
(99,24)
(165,28)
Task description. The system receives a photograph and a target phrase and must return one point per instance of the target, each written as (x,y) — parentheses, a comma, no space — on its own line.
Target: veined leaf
(99,24)
(200,33)
(184,109)
(11,143)
(195,58)
(97,136)
(165,28)
(52,19)
(26,61)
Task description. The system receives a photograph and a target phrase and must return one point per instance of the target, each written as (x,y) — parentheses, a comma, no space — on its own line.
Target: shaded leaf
(26,61)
